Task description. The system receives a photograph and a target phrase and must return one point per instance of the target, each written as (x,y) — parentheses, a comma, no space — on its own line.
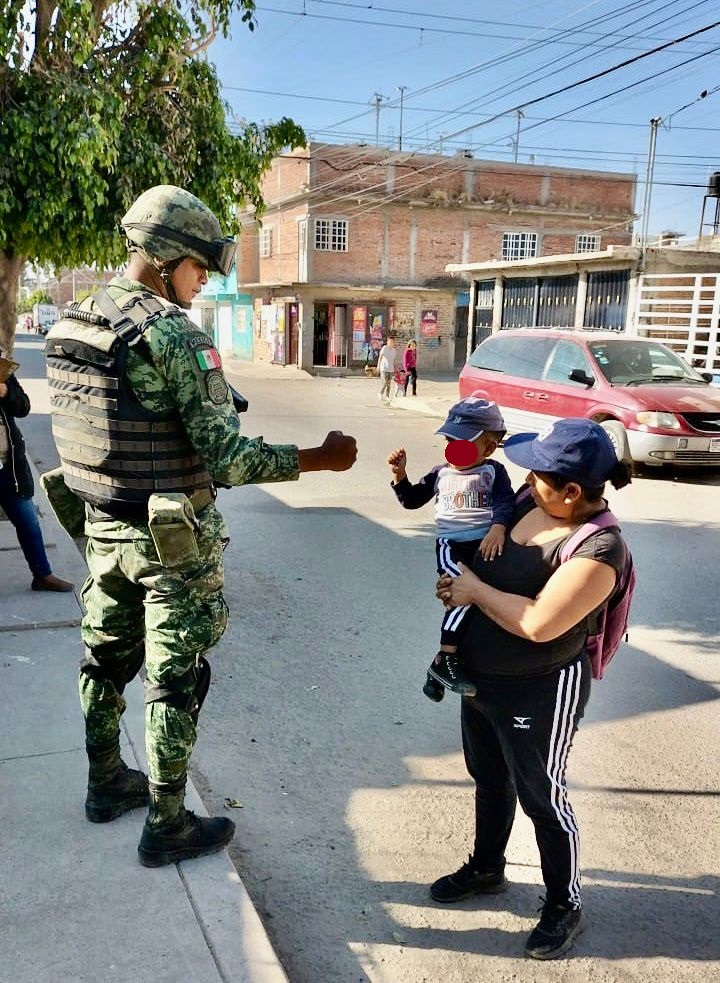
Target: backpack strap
(130,321)
(605,520)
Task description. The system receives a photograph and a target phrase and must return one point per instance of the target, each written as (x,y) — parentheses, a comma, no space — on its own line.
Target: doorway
(320,334)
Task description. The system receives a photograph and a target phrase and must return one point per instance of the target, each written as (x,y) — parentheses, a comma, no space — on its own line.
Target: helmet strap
(166,269)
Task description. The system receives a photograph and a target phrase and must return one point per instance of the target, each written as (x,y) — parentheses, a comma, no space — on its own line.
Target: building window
(519,245)
(587,244)
(331,234)
(266,242)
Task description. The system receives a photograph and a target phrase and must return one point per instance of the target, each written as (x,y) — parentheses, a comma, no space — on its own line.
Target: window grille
(266,242)
(331,234)
(587,244)
(519,245)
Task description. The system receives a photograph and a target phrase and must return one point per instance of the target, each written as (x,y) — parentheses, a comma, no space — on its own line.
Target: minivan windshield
(636,361)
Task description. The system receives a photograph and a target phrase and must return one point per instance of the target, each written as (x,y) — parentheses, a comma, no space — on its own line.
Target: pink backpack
(612,620)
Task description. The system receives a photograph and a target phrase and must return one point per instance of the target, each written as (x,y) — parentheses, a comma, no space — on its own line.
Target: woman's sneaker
(556,931)
(466,882)
(449,672)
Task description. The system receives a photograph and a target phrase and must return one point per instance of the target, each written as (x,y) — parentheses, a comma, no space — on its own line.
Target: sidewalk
(75,903)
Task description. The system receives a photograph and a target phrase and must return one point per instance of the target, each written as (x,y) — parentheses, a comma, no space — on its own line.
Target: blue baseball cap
(472,417)
(578,450)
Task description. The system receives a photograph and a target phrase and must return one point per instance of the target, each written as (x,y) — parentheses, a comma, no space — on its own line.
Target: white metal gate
(682,310)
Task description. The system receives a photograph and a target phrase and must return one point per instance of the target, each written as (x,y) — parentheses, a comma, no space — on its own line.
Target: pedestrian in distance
(146,429)
(474,504)
(17,488)
(525,648)
(386,367)
(410,366)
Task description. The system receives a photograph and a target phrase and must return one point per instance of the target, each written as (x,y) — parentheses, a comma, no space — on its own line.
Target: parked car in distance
(655,408)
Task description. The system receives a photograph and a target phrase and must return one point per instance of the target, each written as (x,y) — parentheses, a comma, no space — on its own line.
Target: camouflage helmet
(170,223)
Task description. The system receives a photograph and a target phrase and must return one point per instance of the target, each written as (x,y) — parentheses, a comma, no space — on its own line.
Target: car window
(524,357)
(630,361)
(566,357)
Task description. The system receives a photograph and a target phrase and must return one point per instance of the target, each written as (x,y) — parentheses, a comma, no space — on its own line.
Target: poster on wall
(376,331)
(268,320)
(428,323)
(359,330)
(278,336)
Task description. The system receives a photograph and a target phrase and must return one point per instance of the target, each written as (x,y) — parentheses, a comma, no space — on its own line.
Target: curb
(232,929)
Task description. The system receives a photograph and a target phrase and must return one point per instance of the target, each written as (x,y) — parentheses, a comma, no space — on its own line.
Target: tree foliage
(36,297)
(100,100)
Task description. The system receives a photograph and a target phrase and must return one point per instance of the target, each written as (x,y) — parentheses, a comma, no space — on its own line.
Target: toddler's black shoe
(466,882)
(434,690)
(556,931)
(449,673)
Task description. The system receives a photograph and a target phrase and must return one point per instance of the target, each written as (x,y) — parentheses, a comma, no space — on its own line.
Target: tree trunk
(10,268)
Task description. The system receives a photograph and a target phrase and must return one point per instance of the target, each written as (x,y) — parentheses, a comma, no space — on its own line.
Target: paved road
(353,792)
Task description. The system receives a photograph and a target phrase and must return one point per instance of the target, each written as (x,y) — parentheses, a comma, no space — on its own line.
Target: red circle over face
(461,453)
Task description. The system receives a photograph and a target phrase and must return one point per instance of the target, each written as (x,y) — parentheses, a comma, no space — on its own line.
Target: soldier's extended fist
(340,451)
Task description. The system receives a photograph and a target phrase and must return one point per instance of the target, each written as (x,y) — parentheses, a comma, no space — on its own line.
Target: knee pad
(117,673)
(176,694)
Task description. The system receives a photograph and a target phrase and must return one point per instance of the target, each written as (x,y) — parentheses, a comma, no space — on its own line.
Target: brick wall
(451,210)
(288,175)
(248,257)
(282,265)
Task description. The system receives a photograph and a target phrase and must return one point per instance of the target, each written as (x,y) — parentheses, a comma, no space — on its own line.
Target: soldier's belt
(131,512)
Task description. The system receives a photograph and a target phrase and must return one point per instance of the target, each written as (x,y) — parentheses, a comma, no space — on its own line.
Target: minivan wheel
(616,433)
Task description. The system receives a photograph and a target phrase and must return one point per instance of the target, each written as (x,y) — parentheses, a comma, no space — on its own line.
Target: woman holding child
(524,649)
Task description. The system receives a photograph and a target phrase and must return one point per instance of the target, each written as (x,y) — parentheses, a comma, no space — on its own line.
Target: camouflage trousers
(137,610)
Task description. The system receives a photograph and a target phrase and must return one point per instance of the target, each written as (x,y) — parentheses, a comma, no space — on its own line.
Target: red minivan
(655,408)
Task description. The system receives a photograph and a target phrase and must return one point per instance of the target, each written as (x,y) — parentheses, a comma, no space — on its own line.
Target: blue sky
(464,61)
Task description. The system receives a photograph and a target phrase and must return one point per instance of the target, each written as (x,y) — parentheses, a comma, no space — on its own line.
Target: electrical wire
(553,67)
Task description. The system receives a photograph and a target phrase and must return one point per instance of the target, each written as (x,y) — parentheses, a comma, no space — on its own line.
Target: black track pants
(516,738)
(448,553)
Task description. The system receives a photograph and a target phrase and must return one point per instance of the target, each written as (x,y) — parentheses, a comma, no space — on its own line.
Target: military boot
(113,788)
(173,833)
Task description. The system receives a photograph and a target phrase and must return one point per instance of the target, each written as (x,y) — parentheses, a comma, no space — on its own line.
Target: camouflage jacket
(180,369)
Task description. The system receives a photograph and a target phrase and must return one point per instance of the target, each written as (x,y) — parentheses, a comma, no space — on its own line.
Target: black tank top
(489,650)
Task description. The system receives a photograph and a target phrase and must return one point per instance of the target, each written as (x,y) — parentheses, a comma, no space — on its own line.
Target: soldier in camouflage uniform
(145,427)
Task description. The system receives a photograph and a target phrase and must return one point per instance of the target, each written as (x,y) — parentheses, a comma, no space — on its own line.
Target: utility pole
(378,100)
(654,124)
(401,90)
(520,115)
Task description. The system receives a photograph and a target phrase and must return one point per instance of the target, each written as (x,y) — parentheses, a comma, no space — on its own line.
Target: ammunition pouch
(67,506)
(172,525)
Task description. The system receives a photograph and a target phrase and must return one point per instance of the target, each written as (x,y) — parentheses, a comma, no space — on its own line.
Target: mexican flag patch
(208,358)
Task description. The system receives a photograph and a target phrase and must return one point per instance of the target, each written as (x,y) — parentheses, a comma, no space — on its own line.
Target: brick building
(355,240)
(64,285)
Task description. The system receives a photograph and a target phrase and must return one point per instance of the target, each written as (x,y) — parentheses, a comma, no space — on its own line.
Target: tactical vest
(113,450)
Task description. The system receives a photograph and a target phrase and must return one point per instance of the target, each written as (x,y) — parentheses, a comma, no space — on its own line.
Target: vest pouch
(172,525)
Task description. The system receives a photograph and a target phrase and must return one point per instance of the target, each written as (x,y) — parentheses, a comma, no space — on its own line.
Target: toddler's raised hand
(397,460)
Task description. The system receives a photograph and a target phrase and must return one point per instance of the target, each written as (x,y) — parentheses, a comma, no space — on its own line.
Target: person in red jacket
(410,366)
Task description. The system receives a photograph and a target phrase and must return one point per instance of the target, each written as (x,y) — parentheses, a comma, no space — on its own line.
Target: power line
(427,109)
(607,71)
(555,67)
(514,51)
(427,30)
(455,17)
